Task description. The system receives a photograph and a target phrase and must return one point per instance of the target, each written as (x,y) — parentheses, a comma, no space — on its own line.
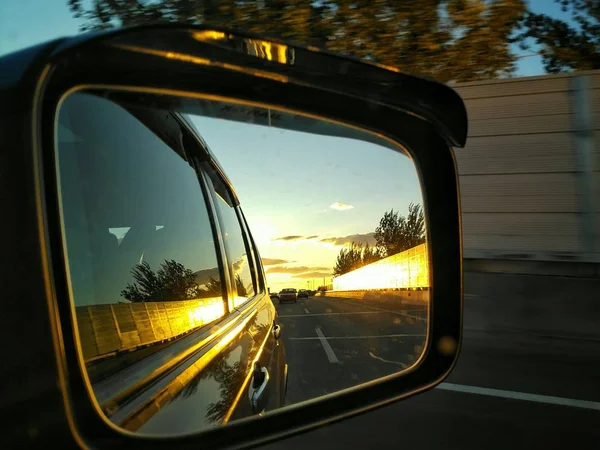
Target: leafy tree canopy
(397,233)
(170,282)
(458,40)
(565,46)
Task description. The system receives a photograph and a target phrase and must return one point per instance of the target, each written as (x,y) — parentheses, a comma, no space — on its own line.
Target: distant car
(274,295)
(288,295)
(303,293)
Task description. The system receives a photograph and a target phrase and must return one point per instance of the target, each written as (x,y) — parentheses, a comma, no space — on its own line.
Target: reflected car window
(233,238)
(136,227)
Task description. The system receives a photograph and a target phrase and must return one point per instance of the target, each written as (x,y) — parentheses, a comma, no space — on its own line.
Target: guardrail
(105,330)
(388,299)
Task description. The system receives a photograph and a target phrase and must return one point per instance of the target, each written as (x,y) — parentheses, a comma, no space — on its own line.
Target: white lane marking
(514,395)
(398,363)
(329,338)
(387,310)
(328,350)
(332,314)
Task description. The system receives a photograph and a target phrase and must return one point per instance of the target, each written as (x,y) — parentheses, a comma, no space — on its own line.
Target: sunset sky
(306,195)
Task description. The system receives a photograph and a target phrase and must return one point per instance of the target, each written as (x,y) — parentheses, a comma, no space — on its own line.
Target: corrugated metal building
(530,174)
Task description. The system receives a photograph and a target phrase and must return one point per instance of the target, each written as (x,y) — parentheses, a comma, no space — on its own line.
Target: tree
(171,282)
(370,255)
(397,233)
(239,284)
(458,40)
(566,47)
(354,257)
(349,258)
(213,288)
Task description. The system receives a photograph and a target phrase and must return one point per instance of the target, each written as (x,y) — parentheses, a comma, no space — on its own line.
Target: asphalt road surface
(332,344)
(505,392)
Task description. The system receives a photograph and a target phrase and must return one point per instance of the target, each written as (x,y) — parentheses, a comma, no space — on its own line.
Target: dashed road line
(401,313)
(331,314)
(329,338)
(333,359)
(515,395)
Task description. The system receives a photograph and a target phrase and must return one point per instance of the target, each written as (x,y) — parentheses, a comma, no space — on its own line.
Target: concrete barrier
(544,305)
(393,300)
(500,297)
(105,330)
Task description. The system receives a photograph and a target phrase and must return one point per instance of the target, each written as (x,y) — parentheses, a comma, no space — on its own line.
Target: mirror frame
(424,117)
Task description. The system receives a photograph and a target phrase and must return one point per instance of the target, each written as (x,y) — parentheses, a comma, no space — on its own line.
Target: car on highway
(288,295)
(274,295)
(303,293)
(158,250)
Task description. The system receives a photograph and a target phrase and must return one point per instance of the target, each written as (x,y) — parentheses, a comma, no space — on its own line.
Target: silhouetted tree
(565,46)
(397,233)
(355,256)
(370,255)
(241,289)
(349,258)
(214,288)
(171,282)
(447,39)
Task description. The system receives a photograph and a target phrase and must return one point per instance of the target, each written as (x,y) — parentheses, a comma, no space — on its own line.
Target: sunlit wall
(110,328)
(408,269)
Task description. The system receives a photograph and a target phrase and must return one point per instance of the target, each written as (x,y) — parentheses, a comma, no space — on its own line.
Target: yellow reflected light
(209,310)
(268,50)
(208,35)
(203,62)
(238,300)
(408,269)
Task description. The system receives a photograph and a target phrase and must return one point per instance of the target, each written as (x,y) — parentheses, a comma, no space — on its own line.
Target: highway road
(507,391)
(337,343)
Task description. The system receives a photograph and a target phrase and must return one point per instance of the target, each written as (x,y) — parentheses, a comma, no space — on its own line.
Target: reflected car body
(288,295)
(303,293)
(208,365)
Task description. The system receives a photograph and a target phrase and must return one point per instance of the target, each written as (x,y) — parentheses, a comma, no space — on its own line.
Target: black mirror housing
(47,397)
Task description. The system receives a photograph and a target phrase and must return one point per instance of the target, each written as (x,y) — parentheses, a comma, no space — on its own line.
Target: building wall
(529,175)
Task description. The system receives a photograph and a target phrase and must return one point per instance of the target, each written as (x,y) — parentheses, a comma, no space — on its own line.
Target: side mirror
(139,309)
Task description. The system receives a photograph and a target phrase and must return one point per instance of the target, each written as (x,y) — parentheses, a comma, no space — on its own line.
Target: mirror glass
(225,259)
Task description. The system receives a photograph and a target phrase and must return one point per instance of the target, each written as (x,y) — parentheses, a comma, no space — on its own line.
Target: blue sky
(304,195)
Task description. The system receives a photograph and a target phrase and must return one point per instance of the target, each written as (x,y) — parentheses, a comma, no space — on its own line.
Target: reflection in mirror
(226,260)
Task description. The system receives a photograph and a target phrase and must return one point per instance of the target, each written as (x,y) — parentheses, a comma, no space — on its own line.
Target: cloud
(368,238)
(239,264)
(340,206)
(290,238)
(274,261)
(296,238)
(297,270)
(314,275)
